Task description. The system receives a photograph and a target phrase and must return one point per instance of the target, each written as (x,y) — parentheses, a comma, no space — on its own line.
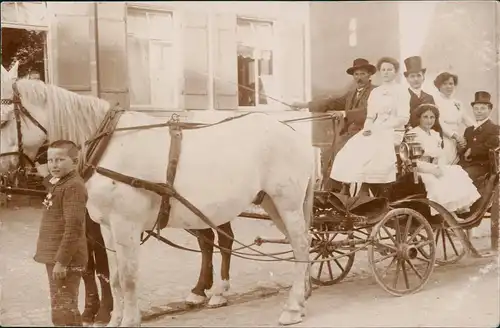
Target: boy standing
(480,138)
(62,244)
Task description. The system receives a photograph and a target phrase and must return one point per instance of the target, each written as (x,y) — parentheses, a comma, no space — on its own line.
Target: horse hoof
(217,301)
(290,318)
(194,300)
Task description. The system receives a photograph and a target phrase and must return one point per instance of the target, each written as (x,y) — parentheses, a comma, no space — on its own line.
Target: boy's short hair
(71,148)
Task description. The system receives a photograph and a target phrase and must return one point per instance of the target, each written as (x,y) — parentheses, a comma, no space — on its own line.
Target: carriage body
(397,229)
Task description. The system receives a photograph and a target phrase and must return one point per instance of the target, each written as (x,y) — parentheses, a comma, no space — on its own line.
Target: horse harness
(20,112)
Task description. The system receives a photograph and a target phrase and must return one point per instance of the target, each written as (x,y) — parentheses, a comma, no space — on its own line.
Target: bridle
(20,114)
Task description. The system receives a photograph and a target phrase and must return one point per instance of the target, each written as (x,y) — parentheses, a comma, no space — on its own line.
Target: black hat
(361,63)
(482,97)
(414,65)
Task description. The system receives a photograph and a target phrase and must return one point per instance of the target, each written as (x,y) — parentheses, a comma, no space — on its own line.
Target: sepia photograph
(250,164)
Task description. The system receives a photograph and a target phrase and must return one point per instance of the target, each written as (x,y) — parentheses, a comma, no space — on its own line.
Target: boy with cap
(62,245)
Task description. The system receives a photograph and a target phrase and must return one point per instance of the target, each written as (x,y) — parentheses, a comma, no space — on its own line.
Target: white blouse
(451,114)
(388,107)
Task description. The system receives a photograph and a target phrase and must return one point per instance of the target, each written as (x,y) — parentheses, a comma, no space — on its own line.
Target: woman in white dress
(369,157)
(448,185)
(452,115)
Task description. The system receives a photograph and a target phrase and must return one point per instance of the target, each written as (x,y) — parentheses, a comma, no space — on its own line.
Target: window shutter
(72,45)
(292,38)
(225,62)
(195,56)
(112,52)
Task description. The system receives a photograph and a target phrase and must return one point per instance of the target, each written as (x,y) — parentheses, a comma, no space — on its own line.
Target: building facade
(161,57)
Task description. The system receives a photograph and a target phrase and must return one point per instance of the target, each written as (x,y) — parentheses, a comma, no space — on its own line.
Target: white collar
(54,180)
(418,92)
(479,123)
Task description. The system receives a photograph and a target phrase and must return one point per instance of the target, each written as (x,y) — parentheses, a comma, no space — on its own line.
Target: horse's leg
(226,244)
(294,224)
(126,235)
(117,314)
(91,293)
(102,269)
(205,281)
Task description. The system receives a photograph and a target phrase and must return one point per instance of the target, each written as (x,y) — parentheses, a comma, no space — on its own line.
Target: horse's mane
(70,116)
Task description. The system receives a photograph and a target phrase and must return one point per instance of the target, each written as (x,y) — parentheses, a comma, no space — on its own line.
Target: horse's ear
(4,72)
(14,70)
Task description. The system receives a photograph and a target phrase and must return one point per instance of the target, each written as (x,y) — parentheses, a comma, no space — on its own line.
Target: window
(24,38)
(151,58)
(255,62)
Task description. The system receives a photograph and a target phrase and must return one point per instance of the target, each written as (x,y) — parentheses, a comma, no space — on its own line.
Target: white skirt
(450,151)
(366,159)
(453,190)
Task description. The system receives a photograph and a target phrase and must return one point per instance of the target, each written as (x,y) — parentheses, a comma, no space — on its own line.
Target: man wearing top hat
(415,76)
(480,138)
(354,103)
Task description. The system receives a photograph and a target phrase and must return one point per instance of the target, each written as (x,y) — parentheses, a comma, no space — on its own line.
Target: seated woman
(448,185)
(369,156)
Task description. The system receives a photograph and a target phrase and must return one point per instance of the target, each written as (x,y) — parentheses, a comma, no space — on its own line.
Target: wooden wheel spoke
(330,271)
(396,278)
(332,237)
(415,234)
(414,269)
(389,234)
(424,243)
(317,256)
(383,258)
(451,242)
(318,236)
(398,230)
(438,233)
(444,245)
(320,269)
(384,273)
(407,227)
(423,259)
(405,274)
(339,265)
(392,248)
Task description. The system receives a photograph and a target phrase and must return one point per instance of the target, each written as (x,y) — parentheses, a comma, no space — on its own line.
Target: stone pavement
(166,274)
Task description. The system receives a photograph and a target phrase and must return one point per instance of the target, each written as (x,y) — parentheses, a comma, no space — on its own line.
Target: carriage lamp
(410,151)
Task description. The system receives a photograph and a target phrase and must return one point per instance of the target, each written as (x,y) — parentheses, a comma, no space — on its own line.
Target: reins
(20,112)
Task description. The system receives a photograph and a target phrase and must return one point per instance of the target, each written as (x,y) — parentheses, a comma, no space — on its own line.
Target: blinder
(20,112)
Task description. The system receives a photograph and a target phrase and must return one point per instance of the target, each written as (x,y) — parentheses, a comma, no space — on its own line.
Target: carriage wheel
(324,245)
(398,241)
(449,247)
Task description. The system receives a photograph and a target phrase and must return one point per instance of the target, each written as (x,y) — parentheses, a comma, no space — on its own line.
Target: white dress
(451,116)
(454,190)
(372,159)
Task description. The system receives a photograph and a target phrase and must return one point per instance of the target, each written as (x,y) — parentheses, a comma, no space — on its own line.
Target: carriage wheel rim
(401,252)
(322,248)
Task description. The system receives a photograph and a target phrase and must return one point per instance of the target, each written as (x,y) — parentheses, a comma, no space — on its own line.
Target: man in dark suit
(353,103)
(415,75)
(480,138)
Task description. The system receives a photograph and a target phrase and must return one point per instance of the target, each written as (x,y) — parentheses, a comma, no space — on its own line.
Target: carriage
(394,226)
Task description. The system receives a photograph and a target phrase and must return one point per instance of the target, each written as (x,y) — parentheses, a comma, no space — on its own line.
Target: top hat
(414,65)
(482,97)
(361,63)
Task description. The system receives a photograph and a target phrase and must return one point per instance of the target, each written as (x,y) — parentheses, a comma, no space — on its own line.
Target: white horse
(221,170)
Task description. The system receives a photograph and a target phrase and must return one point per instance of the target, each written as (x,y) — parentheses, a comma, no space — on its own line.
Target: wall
(462,40)
(331,54)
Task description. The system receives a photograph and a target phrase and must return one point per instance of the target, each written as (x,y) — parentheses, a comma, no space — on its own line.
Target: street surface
(458,295)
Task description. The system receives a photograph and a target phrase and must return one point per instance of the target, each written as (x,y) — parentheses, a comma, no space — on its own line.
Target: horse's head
(23,102)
